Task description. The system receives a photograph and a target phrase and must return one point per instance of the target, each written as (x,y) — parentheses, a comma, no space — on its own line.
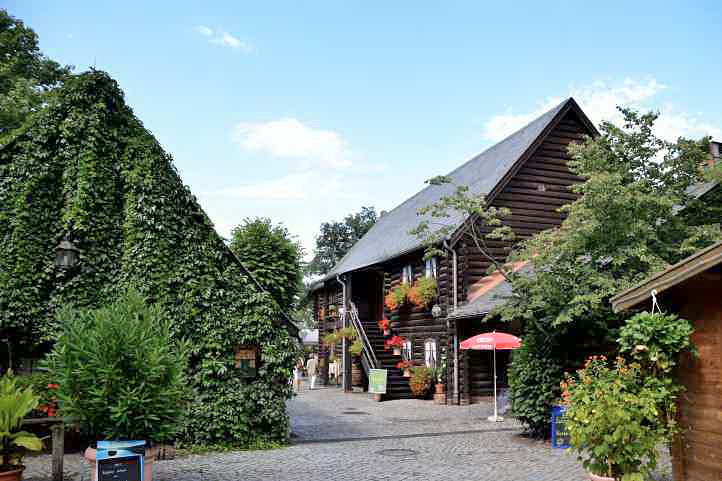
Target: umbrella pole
(495,417)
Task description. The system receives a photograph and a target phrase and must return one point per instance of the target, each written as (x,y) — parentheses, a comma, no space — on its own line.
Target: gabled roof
(668,278)
(483,174)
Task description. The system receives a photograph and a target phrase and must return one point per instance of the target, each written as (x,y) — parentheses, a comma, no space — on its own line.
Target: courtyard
(351,437)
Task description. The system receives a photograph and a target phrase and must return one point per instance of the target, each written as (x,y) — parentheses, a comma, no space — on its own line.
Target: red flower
(394,341)
(384,324)
(53,386)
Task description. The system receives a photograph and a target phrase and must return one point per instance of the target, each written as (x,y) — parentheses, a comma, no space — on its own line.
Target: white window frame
(431,356)
(407,274)
(407,351)
(430,268)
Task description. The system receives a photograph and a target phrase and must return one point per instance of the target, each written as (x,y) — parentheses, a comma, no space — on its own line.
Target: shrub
(120,374)
(420,381)
(43,386)
(534,376)
(613,419)
(423,292)
(15,403)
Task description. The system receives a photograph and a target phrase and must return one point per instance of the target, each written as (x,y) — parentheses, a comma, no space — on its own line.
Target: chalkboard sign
(119,469)
(377,381)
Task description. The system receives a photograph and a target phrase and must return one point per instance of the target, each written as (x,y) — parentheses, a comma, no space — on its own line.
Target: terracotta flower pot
(397,351)
(150,455)
(440,388)
(594,477)
(14,475)
(407,372)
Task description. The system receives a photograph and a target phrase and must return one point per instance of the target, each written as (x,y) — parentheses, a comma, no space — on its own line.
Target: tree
(336,238)
(26,75)
(484,222)
(624,226)
(272,255)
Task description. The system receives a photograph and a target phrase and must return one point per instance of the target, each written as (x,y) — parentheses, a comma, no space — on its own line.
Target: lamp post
(66,254)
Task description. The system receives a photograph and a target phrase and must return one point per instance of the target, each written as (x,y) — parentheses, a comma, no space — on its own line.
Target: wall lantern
(66,254)
(247,360)
(436,311)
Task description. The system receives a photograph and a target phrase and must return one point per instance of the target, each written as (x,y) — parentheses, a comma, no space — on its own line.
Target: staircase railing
(368,356)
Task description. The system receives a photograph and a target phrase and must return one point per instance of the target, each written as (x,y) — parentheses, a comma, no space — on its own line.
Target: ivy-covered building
(85,169)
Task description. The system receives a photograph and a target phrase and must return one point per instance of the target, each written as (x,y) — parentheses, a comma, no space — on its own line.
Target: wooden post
(58,439)
(347,387)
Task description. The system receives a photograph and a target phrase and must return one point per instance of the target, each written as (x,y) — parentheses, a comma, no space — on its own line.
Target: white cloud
(599,100)
(289,187)
(221,37)
(290,138)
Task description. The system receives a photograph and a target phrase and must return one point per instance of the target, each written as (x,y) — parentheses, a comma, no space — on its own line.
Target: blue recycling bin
(120,460)
(560,435)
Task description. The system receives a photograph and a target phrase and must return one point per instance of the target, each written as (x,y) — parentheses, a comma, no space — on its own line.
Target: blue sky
(305,111)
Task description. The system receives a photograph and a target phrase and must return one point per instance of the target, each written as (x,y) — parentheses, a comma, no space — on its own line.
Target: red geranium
(394,341)
(384,324)
(405,364)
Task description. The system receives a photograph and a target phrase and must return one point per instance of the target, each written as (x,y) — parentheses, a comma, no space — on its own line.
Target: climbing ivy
(86,167)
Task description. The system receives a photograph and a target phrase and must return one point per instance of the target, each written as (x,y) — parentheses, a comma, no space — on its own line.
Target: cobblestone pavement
(396,440)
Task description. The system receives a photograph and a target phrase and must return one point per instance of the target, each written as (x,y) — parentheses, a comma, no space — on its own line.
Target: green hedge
(86,165)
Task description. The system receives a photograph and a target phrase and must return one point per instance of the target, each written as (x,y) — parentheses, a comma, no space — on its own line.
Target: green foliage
(485,221)
(622,228)
(272,255)
(336,238)
(45,388)
(348,333)
(120,374)
(86,167)
(423,292)
(614,419)
(655,341)
(420,381)
(26,75)
(15,403)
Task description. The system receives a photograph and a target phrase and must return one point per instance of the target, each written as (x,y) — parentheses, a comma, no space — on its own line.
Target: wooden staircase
(397,386)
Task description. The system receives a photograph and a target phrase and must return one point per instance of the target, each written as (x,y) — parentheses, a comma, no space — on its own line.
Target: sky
(305,111)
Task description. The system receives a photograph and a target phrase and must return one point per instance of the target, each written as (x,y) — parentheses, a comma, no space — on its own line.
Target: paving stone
(443,442)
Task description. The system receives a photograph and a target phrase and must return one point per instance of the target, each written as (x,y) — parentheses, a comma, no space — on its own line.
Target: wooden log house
(693,289)
(526,172)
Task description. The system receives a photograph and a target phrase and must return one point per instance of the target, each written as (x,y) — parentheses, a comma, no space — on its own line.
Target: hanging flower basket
(423,292)
(397,297)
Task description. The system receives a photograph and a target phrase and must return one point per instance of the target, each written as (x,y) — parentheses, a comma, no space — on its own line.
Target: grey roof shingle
(390,237)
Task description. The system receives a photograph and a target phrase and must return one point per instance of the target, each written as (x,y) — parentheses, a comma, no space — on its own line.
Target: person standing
(312,369)
(297,370)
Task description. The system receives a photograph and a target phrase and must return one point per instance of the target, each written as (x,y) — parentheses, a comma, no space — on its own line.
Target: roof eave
(668,278)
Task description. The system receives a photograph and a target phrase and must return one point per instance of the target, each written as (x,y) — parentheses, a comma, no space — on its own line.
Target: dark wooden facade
(533,189)
(693,289)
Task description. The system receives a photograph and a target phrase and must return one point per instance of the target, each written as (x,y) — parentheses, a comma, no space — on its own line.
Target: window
(430,353)
(431,270)
(407,353)
(407,274)
(246,359)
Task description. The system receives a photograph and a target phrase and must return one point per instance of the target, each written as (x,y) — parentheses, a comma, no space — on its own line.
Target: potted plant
(406,367)
(332,310)
(15,403)
(121,375)
(420,381)
(438,375)
(395,343)
(423,292)
(385,326)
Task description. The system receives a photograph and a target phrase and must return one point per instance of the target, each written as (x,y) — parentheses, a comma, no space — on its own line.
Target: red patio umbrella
(491,341)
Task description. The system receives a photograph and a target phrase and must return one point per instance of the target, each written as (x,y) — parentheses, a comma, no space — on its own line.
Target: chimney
(715,150)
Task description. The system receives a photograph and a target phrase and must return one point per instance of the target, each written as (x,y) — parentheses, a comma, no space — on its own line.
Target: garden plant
(15,403)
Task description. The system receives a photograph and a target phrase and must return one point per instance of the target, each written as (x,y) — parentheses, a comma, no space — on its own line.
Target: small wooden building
(693,289)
